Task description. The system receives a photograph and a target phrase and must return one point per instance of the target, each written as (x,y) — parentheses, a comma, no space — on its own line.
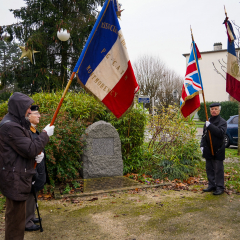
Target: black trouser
(215,173)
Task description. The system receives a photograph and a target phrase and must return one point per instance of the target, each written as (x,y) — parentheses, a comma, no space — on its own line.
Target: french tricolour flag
(104,67)
(233,74)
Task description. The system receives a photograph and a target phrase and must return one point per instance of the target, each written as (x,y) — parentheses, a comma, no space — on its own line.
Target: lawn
(232,153)
(231,170)
(199,124)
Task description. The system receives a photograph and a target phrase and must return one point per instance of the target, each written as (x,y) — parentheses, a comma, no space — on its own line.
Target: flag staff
(60,104)
(62,98)
(205,107)
(225,12)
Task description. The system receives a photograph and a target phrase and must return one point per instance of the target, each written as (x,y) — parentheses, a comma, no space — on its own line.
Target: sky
(161,28)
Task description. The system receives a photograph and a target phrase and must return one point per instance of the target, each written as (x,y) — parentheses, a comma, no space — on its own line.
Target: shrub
(131,130)
(65,146)
(173,150)
(4,96)
(227,109)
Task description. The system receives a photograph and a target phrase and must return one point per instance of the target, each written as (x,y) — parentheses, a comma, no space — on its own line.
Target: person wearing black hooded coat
(18,151)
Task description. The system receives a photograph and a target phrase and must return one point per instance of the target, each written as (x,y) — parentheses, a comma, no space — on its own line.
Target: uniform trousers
(215,173)
(15,219)
(30,210)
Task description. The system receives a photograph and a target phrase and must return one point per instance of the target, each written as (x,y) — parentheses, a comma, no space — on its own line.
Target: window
(235,120)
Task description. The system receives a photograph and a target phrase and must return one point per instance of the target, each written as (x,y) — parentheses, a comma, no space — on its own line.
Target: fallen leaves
(47,196)
(93,199)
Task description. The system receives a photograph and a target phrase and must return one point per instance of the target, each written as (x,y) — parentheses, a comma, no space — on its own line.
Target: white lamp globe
(63,35)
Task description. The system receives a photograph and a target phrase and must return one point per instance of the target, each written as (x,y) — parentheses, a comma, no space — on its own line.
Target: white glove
(39,157)
(207,123)
(201,149)
(49,129)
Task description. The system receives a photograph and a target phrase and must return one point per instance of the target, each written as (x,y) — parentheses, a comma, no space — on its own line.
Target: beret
(216,104)
(34,108)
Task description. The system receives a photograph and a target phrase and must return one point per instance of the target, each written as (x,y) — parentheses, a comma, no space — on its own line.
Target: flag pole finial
(225,11)
(191,33)
(225,15)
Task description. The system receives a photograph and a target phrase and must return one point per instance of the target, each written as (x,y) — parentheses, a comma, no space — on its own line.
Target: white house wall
(214,84)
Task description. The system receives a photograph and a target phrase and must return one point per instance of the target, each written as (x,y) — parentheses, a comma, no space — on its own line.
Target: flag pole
(205,107)
(62,98)
(60,104)
(225,12)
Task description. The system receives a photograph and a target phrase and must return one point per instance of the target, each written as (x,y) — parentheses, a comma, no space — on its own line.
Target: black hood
(17,106)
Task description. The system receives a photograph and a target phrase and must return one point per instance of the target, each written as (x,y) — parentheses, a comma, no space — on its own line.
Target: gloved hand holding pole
(39,157)
(49,129)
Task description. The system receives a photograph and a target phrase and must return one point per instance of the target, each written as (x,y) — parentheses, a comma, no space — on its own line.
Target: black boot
(209,189)
(218,192)
(33,228)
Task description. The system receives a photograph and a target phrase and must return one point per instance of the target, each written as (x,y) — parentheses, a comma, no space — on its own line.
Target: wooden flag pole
(62,98)
(205,107)
(60,104)
(225,11)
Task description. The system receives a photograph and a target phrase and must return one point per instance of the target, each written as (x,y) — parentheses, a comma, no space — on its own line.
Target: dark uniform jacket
(41,174)
(18,150)
(218,129)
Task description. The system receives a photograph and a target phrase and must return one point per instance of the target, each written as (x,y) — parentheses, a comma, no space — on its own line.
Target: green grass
(199,124)
(232,176)
(231,170)
(232,153)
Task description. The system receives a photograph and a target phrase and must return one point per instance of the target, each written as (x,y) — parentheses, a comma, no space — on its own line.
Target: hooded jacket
(17,149)
(218,129)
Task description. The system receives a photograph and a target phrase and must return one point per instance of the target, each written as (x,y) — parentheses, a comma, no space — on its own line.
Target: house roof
(213,51)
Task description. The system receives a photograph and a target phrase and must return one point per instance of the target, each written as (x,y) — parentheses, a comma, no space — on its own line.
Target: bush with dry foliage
(174,148)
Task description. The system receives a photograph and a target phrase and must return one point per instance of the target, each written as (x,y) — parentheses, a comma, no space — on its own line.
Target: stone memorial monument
(102,156)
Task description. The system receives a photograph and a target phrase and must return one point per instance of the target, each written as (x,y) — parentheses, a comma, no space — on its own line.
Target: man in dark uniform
(18,152)
(214,164)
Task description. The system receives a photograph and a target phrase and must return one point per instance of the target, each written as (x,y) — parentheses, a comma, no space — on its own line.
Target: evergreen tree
(9,64)
(37,28)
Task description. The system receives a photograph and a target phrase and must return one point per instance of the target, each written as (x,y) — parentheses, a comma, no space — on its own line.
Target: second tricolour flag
(104,67)
(192,86)
(233,74)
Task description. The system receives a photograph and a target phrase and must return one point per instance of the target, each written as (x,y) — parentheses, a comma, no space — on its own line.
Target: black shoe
(33,228)
(209,189)
(218,192)
(36,220)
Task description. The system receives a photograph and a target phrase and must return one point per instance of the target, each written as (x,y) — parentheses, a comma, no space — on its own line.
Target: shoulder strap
(2,123)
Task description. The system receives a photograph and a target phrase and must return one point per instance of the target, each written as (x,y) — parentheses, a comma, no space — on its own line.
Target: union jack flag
(192,86)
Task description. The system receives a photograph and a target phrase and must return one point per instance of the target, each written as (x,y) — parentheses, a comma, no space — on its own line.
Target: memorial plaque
(102,146)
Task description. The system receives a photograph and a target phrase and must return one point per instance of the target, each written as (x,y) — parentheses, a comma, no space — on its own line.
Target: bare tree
(156,80)
(171,81)
(149,72)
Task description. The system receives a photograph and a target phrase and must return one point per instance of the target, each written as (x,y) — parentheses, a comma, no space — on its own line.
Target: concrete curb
(57,194)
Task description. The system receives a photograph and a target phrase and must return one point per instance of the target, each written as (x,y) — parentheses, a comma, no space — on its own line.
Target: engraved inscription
(103,146)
